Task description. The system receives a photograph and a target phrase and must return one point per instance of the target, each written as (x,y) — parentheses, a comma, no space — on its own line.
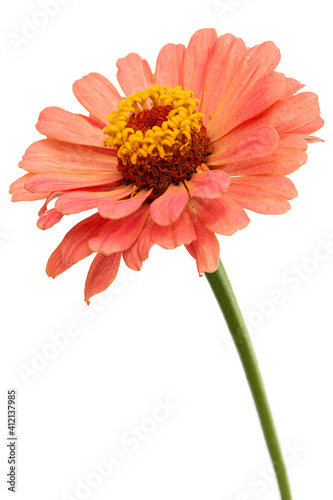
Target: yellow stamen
(181,120)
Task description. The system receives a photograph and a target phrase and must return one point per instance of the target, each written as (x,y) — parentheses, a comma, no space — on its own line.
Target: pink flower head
(214,131)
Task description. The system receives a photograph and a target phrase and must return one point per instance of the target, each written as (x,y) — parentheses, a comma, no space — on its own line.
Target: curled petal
(118,235)
(211,184)
(75,202)
(74,246)
(55,264)
(117,209)
(139,251)
(48,219)
(168,207)
(102,273)
(223,216)
(180,232)
(205,249)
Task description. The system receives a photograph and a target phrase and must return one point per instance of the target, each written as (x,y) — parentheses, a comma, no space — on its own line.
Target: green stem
(226,299)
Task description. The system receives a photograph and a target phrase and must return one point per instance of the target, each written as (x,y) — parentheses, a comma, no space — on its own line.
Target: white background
(159,333)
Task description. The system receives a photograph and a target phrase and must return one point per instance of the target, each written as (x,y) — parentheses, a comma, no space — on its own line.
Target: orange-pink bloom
(214,131)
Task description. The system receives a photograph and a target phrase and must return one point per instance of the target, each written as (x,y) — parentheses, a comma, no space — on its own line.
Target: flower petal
(102,273)
(205,249)
(254,101)
(168,207)
(169,65)
(258,61)
(195,60)
(261,141)
(75,202)
(54,181)
(55,264)
(181,232)
(56,123)
(20,193)
(74,246)
(97,95)
(48,219)
(263,194)
(139,251)
(117,209)
(55,156)
(118,235)
(211,184)
(134,74)
(222,64)
(292,86)
(307,110)
(287,157)
(223,215)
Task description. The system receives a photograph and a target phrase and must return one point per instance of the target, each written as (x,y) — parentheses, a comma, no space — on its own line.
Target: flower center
(160,138)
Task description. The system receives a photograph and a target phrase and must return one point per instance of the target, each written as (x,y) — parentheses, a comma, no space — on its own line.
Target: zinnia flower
(214,131)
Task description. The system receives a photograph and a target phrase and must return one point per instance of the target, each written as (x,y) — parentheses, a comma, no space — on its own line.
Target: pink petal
(263,194)
(310,127)
(195,60)
(102,273)
(55,264)
(287,157)
(119,235)
(211,184)
(256,63)
(181,232)
(55,156)
(53,181)
(74,246)
(236,147)
(97,95)
(168,207)
(134,74)
(19,192)
(222,64)
(169,65)
(292,86)
(56,123)
(117,209)
(79,201)
(49,219)
(139,251)
(223,216)
(240,108)
(307,110)
(205,249)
